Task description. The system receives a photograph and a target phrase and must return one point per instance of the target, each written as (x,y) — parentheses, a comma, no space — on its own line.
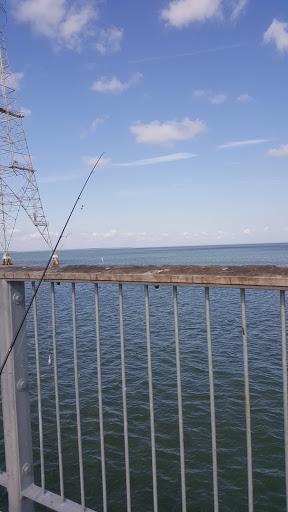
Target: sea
(265,379)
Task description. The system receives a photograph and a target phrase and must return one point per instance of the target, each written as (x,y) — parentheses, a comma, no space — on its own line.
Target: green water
(265,371)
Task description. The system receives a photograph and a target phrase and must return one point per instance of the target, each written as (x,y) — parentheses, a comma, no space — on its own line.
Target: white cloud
(201,92)
(277,33)
(35,235)
(282,151)
(141,235)
(244,98)
(92,160)
(114,85)
(199,51)
(93,126)
(220,234)
(105,162)
(110,233)
(235,144)
(84,134)
(127,238)
(266,229)
(181,13)
(215,99)
(64,24)
(218,98)
(97,121)
(26,111)
(57,178)
(13,231)
(156,160)
(109,40)
(168,132)
(15,80)
(238,8)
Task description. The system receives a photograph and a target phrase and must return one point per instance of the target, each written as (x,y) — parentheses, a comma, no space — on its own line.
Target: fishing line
(44,272)
(49,351)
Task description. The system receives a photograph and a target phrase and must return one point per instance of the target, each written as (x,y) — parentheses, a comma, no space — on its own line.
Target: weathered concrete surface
(267,276)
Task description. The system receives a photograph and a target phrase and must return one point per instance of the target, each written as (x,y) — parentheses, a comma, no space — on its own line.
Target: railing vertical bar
(285,392)
(151,404)
(41,445)
(179,392)
(247,402)
(57,394)
(126,445)
(100,401)
(212,401)
(76,377)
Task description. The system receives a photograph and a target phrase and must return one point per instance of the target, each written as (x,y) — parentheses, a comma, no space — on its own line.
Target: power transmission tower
(18,185)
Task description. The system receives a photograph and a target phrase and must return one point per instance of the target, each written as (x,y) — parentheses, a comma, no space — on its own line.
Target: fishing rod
(44,272)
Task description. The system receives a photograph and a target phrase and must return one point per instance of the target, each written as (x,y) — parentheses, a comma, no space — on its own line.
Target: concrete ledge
(246,276)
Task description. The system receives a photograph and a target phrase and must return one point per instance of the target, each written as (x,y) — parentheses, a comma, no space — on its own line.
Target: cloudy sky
(188,100)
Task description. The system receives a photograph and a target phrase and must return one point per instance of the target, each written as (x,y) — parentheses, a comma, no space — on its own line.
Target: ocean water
(265,373)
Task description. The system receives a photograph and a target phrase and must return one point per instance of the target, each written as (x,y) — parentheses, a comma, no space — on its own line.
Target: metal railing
(18,433)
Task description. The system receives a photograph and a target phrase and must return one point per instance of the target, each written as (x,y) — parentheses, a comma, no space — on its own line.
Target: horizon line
(152,247)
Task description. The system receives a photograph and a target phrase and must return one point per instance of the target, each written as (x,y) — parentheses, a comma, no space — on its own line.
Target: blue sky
(188,100)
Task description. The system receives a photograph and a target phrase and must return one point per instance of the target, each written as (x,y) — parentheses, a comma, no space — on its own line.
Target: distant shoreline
(164,247)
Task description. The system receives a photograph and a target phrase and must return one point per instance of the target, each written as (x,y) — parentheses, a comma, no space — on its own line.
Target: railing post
(15,397)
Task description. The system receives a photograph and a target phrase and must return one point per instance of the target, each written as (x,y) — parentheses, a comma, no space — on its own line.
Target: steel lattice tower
(18,185)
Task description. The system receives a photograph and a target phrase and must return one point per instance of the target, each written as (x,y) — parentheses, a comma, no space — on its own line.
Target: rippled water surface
(265,372)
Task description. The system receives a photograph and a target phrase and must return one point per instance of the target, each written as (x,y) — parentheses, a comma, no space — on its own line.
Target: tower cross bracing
(18,185)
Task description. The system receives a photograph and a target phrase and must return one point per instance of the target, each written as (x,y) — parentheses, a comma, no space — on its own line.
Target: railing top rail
(240,276)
